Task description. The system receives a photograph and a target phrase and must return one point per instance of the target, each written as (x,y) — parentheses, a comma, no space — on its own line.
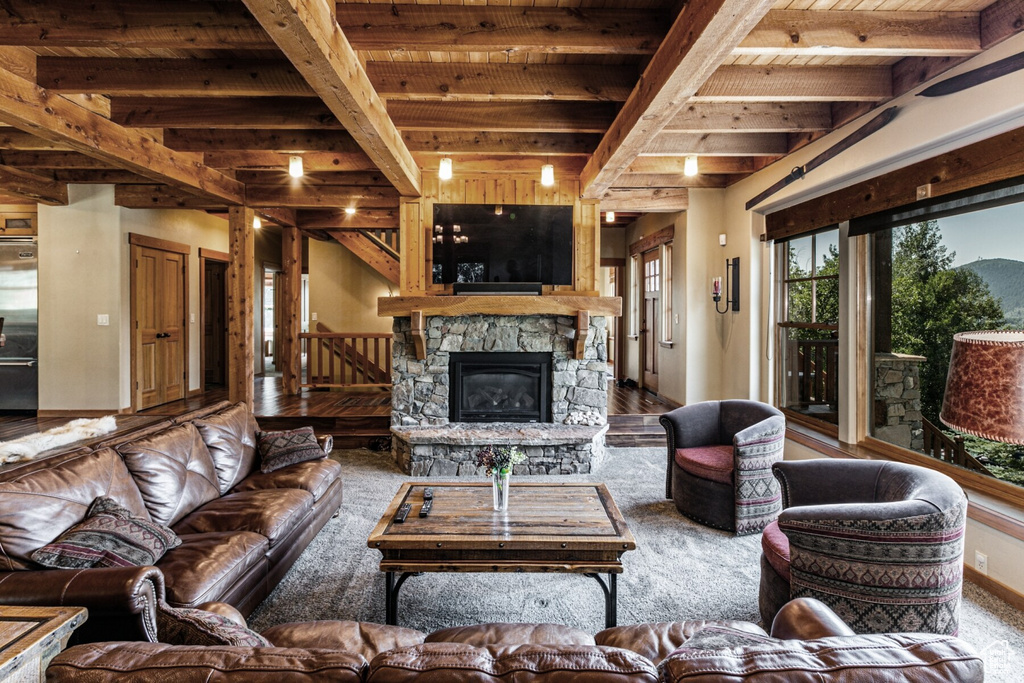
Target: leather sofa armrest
(326,442)
(121,601)
(807,619)
(225,610)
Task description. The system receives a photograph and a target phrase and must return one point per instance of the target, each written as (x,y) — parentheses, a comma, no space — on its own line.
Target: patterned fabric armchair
(881,543)
(720,455)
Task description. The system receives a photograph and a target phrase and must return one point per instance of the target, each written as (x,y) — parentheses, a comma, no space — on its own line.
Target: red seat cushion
(775,545)
(714,463)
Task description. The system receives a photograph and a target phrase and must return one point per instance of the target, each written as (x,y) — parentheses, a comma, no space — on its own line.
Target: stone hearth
(426,443)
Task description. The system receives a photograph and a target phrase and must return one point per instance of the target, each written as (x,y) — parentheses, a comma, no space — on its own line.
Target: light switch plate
(102,319)
(313,316)
(192,317)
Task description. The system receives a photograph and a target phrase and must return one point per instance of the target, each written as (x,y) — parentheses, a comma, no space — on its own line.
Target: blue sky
(992,233)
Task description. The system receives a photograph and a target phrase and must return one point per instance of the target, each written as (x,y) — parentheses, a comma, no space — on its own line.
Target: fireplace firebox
(500,387)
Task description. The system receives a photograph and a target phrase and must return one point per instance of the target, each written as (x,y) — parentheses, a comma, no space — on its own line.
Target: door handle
(163,335)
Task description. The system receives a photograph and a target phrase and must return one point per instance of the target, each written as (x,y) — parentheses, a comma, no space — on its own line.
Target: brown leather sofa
(241,530)
(808,643)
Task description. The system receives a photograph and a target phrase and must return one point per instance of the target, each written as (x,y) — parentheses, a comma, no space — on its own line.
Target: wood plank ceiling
(200,103)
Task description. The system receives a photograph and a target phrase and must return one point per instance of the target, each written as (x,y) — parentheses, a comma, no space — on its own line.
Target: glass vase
(499,486)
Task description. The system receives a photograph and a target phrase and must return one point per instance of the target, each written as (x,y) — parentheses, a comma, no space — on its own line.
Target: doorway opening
(271,332)
(215,325)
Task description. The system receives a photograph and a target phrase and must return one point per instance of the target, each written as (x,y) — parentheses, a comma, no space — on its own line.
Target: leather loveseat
(240,529)
(809,644)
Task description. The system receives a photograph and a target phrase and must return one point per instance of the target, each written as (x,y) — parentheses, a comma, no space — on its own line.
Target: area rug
(680,570)
(28,447)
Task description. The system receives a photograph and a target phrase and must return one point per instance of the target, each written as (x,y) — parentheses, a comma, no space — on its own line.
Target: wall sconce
(547,175)
(732,285)
(444,169)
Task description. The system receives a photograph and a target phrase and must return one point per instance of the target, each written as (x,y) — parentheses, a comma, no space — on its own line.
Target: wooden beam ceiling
(541,117)
(700,38)
(32,188)
(308,35)
(223,112)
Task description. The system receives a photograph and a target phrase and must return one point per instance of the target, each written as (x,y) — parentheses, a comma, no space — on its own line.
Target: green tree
(931,301)
(802,295)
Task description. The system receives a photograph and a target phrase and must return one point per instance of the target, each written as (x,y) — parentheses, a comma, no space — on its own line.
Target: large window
(809,325)
(930,280)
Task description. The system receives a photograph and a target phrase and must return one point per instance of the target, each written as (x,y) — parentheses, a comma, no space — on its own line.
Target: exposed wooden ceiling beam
(97,177)
(29,186)
(32,109)
(208,140)
(276,177)
(179,77)
(707,164)
(336,218)
(504,165)
(484,142)
(370,253)
(500,82)
(549,117)
(796,84)
(700,38)
(321,196)
(161,197)
(52,159)
(12,138)
(669,180)
(722,144)
(307,33)
(753,117)
(655,200)
(278,216)
(136,24)
(223,112)
(863,33)
(278,161)
(450,28)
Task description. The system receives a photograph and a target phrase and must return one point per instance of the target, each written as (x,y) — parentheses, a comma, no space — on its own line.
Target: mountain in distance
(1005,279)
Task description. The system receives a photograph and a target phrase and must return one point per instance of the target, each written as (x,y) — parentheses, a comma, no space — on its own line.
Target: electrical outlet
(192,317)
(102,319)
(312,316)
(981,562)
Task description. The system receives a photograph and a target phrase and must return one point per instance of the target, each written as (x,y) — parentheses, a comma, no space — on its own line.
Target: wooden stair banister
(349,356)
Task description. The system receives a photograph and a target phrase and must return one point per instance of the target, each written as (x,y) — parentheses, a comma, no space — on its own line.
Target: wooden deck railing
(815,366)
(941,447)
(346,359)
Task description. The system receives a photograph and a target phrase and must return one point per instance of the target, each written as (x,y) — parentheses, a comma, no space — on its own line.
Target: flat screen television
(475,243)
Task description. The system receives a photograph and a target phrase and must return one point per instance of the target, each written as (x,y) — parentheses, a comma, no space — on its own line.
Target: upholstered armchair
(720,455)
(881,543)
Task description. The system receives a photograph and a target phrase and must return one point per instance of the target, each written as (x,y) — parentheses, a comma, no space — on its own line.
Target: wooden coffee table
(549,527)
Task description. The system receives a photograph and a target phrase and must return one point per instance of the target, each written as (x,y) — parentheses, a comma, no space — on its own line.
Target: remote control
(428,493)
(425,508)
(403,512)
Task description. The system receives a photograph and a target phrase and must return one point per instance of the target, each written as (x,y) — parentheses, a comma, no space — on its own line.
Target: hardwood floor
(359,418)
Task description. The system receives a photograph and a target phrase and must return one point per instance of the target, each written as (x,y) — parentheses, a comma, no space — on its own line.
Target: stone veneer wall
(420,390)
(898,400)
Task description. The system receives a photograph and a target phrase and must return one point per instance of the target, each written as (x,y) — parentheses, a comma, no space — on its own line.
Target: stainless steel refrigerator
(19,325)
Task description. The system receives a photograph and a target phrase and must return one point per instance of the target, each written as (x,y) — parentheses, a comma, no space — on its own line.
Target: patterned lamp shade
(985,385)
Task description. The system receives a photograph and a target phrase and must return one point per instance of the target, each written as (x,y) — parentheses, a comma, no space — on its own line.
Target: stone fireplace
(536,356)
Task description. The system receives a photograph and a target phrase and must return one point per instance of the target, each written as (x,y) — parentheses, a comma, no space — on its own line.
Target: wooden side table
(31,636)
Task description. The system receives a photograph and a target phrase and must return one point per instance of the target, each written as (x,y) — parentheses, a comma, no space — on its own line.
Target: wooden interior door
(159,328)
(649,322)
(215,323)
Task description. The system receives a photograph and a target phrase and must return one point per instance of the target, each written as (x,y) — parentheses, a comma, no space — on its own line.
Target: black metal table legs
(392,587)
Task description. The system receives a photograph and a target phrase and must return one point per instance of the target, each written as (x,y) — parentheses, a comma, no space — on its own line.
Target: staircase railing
(949,449)
(346,359)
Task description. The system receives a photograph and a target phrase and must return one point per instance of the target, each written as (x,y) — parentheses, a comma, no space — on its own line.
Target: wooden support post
(241,284)
(291,315)
(419,334)
(582,332)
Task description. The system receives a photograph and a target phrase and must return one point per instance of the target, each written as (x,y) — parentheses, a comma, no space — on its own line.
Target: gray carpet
(680,570)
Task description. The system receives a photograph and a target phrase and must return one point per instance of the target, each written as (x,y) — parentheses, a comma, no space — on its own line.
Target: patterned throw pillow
(712,638)
(280,449)
(109,536)
(186,626)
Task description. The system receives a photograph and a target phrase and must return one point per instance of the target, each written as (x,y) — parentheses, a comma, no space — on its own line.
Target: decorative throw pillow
(280,449)
(109,536)
(711,638)
(186,626)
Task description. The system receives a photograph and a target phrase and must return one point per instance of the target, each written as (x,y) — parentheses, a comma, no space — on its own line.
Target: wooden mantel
(551,304)
(575,305)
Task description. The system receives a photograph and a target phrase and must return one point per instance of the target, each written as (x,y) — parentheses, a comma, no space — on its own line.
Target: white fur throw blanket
(28,447)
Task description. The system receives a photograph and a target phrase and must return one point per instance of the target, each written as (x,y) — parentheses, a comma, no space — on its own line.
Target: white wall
(343,290)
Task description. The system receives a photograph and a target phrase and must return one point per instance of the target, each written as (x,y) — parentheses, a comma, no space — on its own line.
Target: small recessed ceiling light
(547,175)
(256,223)
(690,166)
(444,171)
(350,210)
(295,167)
(609,216)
